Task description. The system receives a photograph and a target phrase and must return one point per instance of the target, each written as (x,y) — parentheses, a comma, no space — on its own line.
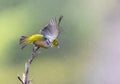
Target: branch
(24,79)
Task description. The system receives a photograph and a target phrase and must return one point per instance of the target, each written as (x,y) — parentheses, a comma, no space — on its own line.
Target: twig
(24,79)
(20,79)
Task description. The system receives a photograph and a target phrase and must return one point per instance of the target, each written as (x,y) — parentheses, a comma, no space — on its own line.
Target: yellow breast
(41,43)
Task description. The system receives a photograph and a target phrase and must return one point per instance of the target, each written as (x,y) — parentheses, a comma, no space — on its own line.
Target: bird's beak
(58,46)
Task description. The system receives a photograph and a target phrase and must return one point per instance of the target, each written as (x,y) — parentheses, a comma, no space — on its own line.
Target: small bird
(46,38)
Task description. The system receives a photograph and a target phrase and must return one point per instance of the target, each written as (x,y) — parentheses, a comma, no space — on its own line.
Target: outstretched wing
(51,31)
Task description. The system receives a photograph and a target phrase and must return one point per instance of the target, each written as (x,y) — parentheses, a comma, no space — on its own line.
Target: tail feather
(23,42)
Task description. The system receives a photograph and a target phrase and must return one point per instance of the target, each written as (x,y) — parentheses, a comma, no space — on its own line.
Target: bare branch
(20,79)
(24,79)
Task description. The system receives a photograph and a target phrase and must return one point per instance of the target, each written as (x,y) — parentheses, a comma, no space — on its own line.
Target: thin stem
(24,79)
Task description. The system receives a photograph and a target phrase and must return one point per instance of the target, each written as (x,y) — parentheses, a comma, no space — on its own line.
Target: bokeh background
(89,50)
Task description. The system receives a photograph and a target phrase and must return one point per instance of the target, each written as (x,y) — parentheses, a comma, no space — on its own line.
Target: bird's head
(55,43)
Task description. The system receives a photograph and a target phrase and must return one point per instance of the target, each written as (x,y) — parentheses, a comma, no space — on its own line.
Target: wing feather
(51,30)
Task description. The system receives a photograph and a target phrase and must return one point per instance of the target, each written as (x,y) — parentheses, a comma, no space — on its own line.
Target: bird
(46,38)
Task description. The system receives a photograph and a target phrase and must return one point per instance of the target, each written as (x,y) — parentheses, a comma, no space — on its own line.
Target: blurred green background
(80,58)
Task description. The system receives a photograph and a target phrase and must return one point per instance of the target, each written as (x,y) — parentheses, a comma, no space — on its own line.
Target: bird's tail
(23,41)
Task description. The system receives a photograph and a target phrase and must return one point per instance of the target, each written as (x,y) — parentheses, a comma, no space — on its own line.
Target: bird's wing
(51,30)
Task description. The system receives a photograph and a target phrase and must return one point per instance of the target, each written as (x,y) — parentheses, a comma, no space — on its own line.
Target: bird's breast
(41,43)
